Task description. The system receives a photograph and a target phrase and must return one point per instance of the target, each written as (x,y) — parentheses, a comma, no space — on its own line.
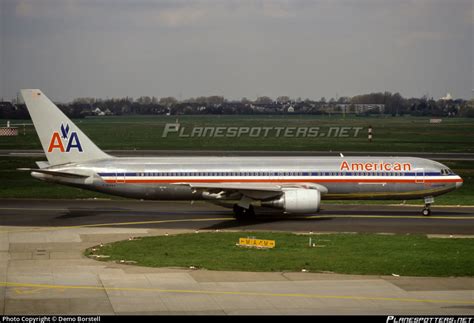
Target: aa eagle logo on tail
(59,140)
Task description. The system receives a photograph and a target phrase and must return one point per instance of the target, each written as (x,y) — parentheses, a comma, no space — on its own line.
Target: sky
(307,49)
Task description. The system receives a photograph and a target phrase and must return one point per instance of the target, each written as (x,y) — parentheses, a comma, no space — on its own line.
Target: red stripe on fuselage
(303,180)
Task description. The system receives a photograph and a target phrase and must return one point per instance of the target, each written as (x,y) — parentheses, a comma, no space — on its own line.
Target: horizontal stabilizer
(53,172)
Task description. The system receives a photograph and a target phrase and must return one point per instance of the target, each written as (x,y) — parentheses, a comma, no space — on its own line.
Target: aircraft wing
(257,191)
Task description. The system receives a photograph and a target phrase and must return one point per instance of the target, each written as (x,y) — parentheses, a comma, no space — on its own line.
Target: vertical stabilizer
(62,141)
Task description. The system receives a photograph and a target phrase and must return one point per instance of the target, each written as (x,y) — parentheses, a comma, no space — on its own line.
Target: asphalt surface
(43,269)
(205,216)
(158,153)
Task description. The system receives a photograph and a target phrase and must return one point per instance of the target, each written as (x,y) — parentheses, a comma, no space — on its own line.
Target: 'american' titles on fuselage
(370,166)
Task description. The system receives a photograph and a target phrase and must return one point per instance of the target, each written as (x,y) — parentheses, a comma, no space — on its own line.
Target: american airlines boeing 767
(294,185)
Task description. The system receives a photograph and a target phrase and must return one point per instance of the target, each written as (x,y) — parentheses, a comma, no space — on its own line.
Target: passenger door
(419,175)
(119,177)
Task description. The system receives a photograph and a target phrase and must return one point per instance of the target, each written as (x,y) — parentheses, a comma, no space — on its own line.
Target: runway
(204,216)
(43,269)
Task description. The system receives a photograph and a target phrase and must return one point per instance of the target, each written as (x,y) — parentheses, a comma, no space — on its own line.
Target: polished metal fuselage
(166,178)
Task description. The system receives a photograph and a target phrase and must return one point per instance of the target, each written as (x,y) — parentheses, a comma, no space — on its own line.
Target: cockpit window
(446,171)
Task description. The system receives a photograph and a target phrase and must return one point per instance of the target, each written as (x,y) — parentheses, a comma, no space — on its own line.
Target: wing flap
(265,187)
(237,186)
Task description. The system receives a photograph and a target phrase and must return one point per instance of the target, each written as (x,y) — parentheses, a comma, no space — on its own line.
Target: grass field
(145,132)
(406,255)
(390,134)
(19,184)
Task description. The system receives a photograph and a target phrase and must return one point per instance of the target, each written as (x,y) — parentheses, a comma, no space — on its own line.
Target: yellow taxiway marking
(235,293)
(31,290)
(362,216)
(112,224)
(32,209)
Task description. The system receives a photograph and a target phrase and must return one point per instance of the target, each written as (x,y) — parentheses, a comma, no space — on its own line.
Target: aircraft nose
(459,184)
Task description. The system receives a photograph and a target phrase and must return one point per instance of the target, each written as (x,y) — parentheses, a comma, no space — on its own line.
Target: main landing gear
(242,213)
(427,210)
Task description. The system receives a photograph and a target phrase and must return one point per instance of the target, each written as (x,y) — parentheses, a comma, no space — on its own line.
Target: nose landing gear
(427,210)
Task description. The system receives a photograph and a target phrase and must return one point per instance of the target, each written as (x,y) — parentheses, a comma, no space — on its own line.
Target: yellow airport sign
(258,243)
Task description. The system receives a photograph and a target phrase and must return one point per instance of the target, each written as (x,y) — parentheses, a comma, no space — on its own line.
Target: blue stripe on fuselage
(251,173)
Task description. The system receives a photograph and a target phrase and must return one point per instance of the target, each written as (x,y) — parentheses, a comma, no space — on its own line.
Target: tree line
(393,104)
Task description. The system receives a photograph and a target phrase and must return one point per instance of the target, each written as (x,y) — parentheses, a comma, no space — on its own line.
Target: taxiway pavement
(43,269)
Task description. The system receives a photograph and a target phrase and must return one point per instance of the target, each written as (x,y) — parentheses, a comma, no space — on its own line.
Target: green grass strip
(374,254)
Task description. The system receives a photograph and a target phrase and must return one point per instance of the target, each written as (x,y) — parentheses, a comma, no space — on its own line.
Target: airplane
(292,185)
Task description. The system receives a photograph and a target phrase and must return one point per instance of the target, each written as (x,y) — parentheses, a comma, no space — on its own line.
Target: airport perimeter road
(43,270)
(21,213)
(163,153)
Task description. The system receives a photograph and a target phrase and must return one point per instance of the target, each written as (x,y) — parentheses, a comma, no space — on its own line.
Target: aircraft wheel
(426,212)
(238,212)
(241,213)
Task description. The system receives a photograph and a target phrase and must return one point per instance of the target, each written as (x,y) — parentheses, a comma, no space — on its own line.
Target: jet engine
(297,201)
